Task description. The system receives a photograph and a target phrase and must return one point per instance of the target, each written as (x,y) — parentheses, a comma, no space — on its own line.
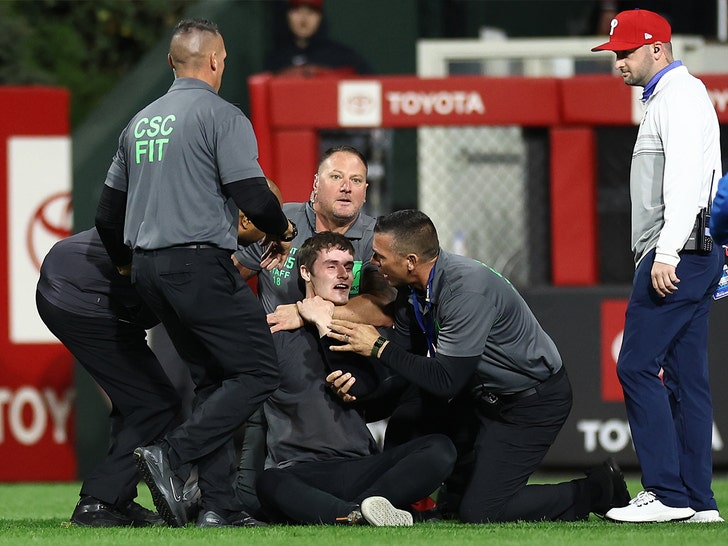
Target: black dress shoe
(210,518)
(91,512)
(169,493)
(140,516)
(607,487)
(621,496)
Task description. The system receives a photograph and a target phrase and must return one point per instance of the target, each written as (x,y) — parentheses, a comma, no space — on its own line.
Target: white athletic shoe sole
(379,512)
(706,516)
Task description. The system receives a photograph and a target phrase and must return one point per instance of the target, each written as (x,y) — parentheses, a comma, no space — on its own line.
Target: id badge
(722,290)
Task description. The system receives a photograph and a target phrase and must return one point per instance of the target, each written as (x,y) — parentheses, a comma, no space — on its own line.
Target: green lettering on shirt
(355,285)
(147,147)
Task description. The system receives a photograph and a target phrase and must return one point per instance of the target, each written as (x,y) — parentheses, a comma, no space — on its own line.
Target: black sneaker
(140,516)
(91,512)
(168,491)
(210,518)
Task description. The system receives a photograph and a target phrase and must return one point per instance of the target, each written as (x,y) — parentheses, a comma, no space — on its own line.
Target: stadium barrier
(37,431)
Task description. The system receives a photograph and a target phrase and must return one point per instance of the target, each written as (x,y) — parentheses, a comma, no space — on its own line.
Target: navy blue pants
(671,419)
(219,328)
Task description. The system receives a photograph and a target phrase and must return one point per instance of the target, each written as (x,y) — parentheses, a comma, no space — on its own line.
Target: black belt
(192,246)
(195,245)
(494,397)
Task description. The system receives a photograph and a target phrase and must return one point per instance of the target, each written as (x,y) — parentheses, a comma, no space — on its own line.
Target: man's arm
(110,216)
(261,206)
(441,375)
(374,305)
(245,272)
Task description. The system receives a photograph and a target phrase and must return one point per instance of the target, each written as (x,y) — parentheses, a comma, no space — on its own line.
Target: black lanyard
(427,324)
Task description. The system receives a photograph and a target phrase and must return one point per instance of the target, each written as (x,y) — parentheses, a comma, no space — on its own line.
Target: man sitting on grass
(323,465)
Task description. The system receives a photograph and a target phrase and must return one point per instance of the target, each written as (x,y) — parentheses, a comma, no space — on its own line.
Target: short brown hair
(309,250)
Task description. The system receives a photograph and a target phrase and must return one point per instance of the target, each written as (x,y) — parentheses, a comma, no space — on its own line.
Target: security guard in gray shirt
(185,165)
(488,362)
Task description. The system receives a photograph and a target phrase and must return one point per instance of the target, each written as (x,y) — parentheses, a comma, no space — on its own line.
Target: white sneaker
(706,516)
(379,512)
(646,507)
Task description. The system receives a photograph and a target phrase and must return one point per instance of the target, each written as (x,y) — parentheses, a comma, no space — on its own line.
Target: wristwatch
(293,234)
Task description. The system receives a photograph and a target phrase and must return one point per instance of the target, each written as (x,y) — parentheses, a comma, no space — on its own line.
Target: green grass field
(38,514)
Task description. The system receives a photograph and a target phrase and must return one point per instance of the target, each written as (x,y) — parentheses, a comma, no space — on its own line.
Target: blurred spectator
(307,50)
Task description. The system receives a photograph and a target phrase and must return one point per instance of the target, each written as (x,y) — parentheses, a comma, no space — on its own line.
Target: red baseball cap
(634,28)
(318,5)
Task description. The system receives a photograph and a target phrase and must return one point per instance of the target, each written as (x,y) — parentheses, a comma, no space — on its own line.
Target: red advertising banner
(406,101)
(612,321)
(36,386)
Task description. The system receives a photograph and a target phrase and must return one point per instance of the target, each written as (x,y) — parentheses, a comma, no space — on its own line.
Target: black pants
(321,491)
(145,405)
(219,328)
(506,444)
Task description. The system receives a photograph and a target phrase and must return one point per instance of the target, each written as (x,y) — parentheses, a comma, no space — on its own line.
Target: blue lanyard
(427,326)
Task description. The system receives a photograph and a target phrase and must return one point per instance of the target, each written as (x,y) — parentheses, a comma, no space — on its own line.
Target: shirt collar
(190,83)
(437,278)
(650,87)
(355,231)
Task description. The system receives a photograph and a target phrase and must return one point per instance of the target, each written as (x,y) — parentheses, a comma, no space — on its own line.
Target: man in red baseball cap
(663,362)
(634,28)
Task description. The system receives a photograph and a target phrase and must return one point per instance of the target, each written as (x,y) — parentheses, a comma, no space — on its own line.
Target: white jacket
(676,155)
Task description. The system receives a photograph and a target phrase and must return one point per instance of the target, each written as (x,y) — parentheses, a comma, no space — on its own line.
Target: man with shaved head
(168,214)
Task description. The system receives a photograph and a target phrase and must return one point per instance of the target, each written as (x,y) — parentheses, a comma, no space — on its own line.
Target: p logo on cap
(613,24)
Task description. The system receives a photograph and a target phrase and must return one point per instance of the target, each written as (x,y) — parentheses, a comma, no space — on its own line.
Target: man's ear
(314,190)
(305,274)
(412,260)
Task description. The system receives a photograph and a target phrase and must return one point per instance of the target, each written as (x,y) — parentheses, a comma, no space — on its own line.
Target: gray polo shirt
(477,311)
(78,276)
(283,286)
(173,158)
